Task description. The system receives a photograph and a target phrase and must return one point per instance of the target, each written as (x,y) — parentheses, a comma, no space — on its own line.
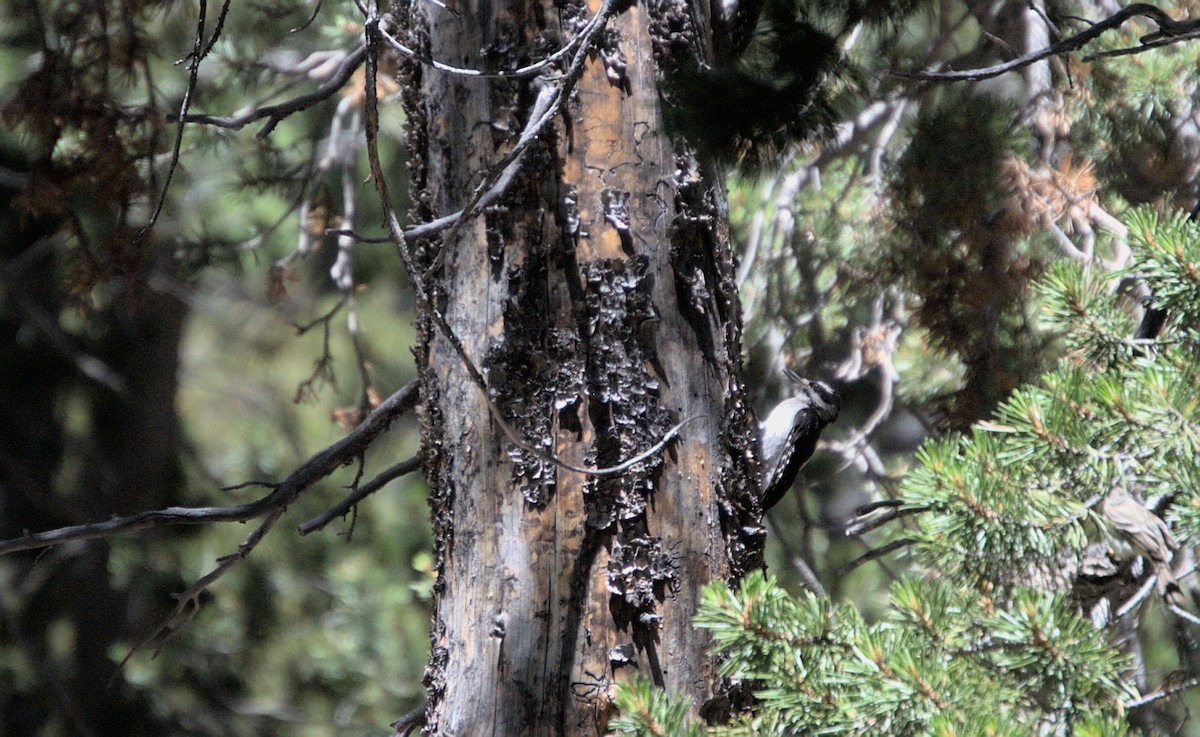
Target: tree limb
(528,70)
(360,493)
(199,51)
(276,113)
(189,601)
(284,493)
(1169,31)
(1162,693)
(875,553)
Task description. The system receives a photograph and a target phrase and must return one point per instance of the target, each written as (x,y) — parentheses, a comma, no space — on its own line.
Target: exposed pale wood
(525,626)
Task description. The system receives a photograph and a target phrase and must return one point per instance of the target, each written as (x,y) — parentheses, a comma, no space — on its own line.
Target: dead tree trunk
(597,298)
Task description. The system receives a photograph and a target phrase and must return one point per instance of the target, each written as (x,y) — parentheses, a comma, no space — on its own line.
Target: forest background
(998,270)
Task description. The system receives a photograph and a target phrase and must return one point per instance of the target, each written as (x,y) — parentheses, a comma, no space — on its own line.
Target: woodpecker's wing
(799,447)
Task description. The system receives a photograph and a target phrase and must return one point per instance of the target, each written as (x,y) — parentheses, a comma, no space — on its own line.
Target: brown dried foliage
(86,147)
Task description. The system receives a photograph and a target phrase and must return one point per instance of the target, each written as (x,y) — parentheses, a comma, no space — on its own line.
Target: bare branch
(1183,613)
(301,480)
(796,557)
(892,509)
(874,553)
(362,492)
(1169,31)
(410,721)
(1162,693)
(189,601)
(525,71)
(199,51)
(216,36)
(1137,598)
(276,113)
(493,186)
(1147,45)
(311,18)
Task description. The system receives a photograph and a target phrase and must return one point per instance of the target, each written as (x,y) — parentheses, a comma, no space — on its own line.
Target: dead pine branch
(352,499)
(1169,31)
(275,114)
(316,468)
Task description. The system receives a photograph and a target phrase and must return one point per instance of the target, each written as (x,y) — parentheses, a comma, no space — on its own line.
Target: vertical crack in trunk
(597,297)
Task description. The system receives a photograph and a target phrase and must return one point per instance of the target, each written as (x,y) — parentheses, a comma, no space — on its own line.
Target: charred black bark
(596,297)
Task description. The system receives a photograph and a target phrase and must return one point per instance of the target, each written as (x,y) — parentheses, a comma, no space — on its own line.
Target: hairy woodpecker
(789,435)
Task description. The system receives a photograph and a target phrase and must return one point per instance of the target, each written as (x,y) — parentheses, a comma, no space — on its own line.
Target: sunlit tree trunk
(597,298)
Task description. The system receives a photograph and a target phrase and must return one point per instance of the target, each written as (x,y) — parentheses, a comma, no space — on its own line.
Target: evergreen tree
(1020,614)
(967,216)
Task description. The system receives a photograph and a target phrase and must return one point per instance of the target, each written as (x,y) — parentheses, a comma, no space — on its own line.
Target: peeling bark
(597,297)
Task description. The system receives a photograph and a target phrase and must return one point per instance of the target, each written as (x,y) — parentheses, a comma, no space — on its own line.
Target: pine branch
(1169,31)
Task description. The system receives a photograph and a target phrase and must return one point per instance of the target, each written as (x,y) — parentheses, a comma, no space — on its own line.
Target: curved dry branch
(1169,31)
(528,70)
(1167,691)
(362,492)
(188,602)
(1151,41)
(874,554)
(199,51)
(282,494)
(276,113)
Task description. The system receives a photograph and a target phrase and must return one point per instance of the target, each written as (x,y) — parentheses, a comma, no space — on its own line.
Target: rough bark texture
(598,300)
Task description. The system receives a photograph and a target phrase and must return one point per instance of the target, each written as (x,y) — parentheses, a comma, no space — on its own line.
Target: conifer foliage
(972,218)
(1012,617)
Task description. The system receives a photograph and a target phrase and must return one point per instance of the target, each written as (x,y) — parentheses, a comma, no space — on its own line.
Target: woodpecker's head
(815,396)
(825,401)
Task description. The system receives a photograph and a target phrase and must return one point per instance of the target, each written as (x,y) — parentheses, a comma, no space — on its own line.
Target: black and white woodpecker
(789,435)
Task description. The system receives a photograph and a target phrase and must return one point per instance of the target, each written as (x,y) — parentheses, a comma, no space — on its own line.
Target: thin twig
(189,601)
(494,185)
(212,41)
(1137,598)
(1146,46)
(807,574)
(362,492)
(323,369)
(864,525)
(359,236)
(874,553)
(1162,693)
(865,509)
(525,71)
(1183,613)
(193,60)
(1169,31)
(301,329)
(311,18)
(276,113)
